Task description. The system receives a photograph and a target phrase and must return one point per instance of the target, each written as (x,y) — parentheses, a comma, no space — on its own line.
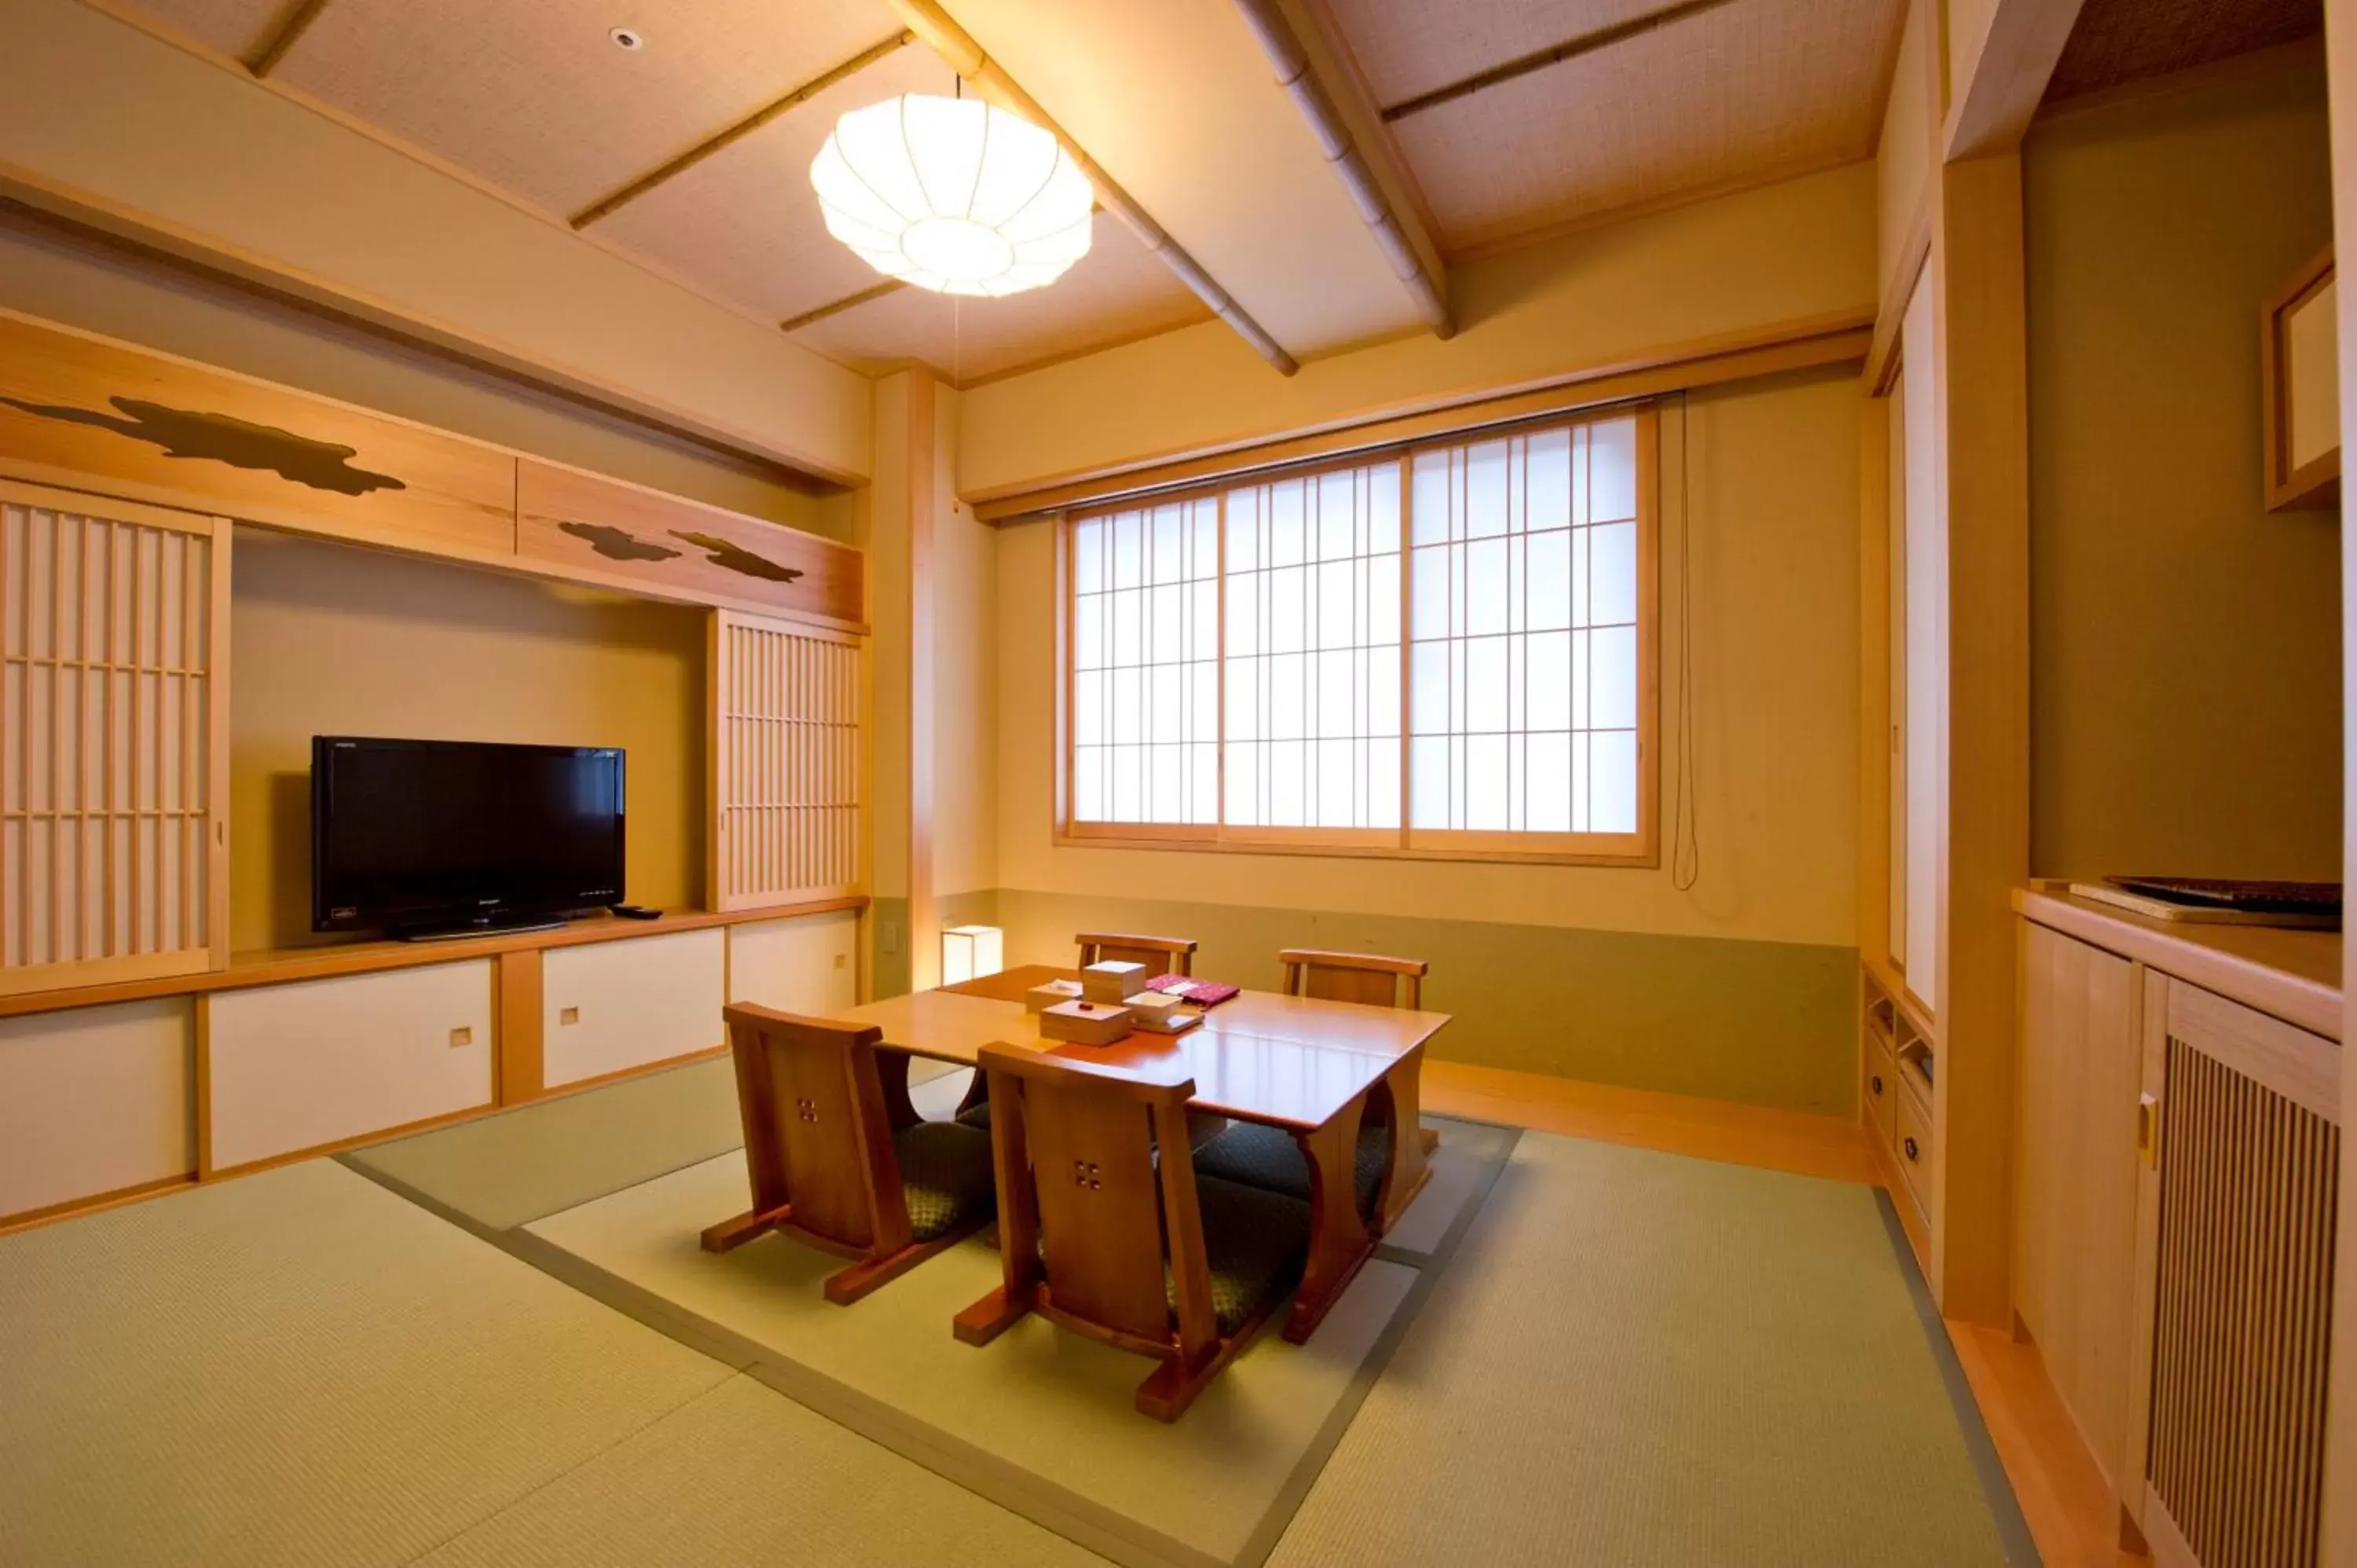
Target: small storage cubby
(611,1006)
(297,1066)
(1895,1089)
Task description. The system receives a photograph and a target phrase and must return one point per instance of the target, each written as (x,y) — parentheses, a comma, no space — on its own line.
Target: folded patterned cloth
(1201,993)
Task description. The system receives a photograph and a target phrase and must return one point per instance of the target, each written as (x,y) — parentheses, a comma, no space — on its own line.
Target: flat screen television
(425,838)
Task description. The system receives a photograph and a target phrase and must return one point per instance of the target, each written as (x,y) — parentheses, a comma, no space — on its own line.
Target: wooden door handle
(1913,1152)
(1876,1082)
(2148,1129)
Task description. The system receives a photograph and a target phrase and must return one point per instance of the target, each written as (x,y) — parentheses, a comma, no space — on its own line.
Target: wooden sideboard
(2176,1145)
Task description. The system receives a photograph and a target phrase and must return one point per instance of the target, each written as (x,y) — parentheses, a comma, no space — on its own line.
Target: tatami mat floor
(1633,1358)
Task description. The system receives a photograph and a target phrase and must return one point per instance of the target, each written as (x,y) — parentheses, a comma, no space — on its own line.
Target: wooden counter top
(2292,974)
(278,966)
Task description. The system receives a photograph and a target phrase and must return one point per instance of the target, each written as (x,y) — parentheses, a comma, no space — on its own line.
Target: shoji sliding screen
(786,763)
(113,740)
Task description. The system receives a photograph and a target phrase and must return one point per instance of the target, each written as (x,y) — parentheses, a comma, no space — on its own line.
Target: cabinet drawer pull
(1876,1081)
(1913,1151)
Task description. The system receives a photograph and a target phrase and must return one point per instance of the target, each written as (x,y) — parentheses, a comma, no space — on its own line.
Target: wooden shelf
(278,966)
(2294,975)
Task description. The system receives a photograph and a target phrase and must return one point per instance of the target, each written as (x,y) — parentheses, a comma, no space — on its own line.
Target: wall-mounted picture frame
(2301,381)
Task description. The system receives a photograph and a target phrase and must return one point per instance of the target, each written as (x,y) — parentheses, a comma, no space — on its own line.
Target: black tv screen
(440,834)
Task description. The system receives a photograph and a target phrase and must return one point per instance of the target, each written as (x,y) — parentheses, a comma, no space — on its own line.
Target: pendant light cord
(1686,838)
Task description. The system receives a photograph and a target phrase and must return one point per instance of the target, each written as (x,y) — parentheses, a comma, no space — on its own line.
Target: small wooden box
(1113,982)
(1086,1023)
(1159,1014)
(1040,998)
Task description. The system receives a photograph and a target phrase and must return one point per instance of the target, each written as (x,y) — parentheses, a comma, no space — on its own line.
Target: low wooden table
(1310,1068)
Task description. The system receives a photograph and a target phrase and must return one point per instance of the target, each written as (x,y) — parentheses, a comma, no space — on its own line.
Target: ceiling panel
(537,100)
(1176,100)
(238,28)
(1118,292)
(2118,41)
(1748,92)
(1409,46)
(744,222)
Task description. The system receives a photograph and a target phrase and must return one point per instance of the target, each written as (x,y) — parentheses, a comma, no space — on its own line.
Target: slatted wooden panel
(113,757)
(786,762)
(2249,1177)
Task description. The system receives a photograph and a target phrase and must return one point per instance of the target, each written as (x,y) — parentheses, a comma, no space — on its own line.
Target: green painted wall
(1761,1023)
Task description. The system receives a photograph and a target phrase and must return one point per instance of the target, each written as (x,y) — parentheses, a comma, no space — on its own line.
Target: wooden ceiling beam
(954,44)
(1998,89)
(1553,54)
(284,37)
(688,160)
(795,323)
(1425,284)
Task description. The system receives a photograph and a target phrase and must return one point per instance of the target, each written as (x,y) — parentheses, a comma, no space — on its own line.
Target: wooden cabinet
(2300,386)
(2176,1158)
(286,1068)
(1896,1099)
(113,740)
(2075,1180)
(96,1102)
(786,764)
(804,963)
(612,1007)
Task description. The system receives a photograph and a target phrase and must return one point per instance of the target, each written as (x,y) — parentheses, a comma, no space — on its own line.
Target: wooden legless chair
(1266,1157)
(1085,1207)
(1161,955)
(838,1157)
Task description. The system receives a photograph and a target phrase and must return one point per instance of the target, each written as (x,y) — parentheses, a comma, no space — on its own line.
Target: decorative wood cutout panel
(85,412)
(786,762)
(113,741)
(2249,1180)
(580,520)
(86,406)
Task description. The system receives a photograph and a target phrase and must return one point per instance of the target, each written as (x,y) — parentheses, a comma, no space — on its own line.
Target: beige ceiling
(535,100)
(1750,91)
(2116,42)
(1174,98)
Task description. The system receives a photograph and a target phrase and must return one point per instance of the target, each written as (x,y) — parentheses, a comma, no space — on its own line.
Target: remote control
(637,912)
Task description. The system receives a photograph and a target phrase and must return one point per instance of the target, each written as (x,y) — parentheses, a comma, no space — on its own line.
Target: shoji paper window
(1313,622)
(1441,650)
(1526,686)
(1145,675)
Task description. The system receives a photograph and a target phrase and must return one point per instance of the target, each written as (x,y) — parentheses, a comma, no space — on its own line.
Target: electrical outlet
(890,930)
(568,1016)
(462,1035)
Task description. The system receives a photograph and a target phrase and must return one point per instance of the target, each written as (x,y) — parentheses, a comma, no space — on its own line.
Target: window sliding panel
(1530,598)
(1312,652)
(1144,675)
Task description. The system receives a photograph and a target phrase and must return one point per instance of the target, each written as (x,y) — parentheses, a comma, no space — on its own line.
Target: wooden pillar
(2340,1546)
(897,534)
(1984,484)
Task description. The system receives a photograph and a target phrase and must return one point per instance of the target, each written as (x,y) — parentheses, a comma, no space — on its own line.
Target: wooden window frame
(1639,849)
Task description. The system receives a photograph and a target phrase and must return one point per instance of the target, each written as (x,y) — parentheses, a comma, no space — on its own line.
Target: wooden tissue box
(1159,1014)
(1086,1023)
(1112,983)
(1040,998)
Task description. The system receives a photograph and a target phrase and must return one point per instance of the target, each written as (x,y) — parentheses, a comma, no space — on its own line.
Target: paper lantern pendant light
(953,195)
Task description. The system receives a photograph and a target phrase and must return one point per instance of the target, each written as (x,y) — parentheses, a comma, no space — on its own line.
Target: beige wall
(1773,468)
(1771,476)
(326,639)
(965,678)
(2185,640)
(211,162)
(1802,249)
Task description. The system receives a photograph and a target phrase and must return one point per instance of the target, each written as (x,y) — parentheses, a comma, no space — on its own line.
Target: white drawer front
(806,964)
(95,1101)
(609,1007)
(294,1066)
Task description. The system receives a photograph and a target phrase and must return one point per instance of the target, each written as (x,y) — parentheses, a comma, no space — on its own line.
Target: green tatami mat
(295,1367)
(1639,1358)
(501,1171)
(745,1476)
(1040,1419)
